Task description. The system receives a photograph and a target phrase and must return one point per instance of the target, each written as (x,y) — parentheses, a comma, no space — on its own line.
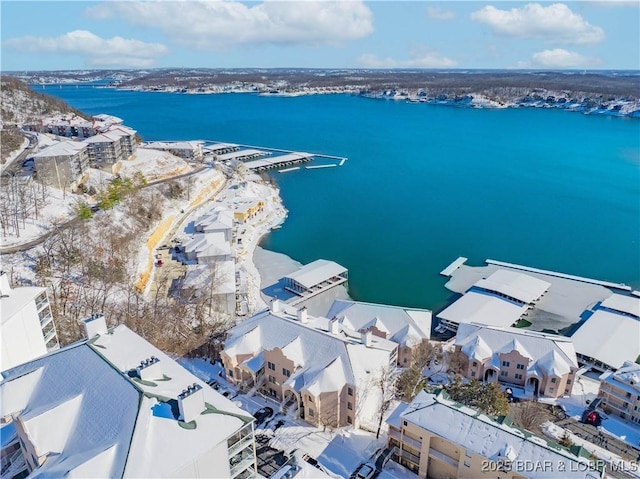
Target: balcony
(442,457)
(240,445)
(46,319)
(242,465)
(414,443)
(49,335)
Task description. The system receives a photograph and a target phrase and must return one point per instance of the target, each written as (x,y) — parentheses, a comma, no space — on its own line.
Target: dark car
(263,414)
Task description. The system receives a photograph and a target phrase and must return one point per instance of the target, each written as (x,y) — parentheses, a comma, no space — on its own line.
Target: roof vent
(150,369)
(191,402)
(275,307)
(303,317)
(334,326)
(365,338)
(94,325)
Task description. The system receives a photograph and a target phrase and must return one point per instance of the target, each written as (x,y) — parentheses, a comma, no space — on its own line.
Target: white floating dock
(319,166)
(342,161)
(289,169)
(453,266)
(606,284)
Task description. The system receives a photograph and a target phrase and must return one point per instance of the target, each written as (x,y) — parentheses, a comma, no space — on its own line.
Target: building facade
(620,392)
(62,165)
(27,328)
(437,438)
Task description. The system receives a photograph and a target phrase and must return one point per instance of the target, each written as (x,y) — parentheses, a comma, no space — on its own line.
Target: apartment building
(438,438)
(409,327)
(189,150)
(542,364)
(113,405)
(310,364)
(62,165)
(27,330)
(620,392)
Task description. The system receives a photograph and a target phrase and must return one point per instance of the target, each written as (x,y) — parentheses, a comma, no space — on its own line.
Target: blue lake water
(424,184)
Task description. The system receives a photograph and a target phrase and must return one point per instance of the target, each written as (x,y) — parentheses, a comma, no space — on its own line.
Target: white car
(366,471)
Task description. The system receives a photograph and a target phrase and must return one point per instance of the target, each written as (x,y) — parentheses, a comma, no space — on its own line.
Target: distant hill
(20,104)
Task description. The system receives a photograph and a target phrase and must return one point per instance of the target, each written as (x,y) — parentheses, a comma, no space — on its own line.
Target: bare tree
(529,414)
(385,383)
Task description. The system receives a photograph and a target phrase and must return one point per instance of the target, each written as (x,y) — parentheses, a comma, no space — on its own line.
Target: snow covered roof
(626,378)
(12,300)
(476,432)
(402,325)
(108,118)
(326,361)
(80,406)
(174,145)
(217,220)
(62,148)
(110,136)
(608,337)
(551,353)
(220,146)
(624,304)
(277,160)
(520,286)
(316,272)
(208,244)
(216,278)
(122,129)
(241,154)
(483,308)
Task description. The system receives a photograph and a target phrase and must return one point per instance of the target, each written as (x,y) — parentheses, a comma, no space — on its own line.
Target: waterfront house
(539,363)
(219,219)
(410,328)
(437,437)
(620,392)
(327,375)
(207,248)
(248,209)
(27,330)
(113,405)
(315,277)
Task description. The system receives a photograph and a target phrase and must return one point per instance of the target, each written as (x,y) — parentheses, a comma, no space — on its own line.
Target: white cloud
(436,13)
(213,25)
(559,58)
(97,51)
(420,58)
(555,23)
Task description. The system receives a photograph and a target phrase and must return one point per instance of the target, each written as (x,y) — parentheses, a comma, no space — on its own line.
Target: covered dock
(221,148)
(242,155)
(279,161)
(315,277)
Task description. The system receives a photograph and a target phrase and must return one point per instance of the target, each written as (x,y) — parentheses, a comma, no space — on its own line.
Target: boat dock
(279,161)
(285,170)
(606,284)
(448,271)
(248,154)
(319,166)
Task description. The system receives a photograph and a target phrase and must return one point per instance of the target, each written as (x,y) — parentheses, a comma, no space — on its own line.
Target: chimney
(94,324)
(5,287)
(275,307)
(150,369)
(365,338)
(191,402)
(334,326)
(302,315)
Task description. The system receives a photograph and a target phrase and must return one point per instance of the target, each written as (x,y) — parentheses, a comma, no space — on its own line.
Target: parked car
(365,471)
(263,414)
(159,262)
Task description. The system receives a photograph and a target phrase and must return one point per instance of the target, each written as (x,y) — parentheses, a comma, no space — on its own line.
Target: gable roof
(316,272)
(520,286)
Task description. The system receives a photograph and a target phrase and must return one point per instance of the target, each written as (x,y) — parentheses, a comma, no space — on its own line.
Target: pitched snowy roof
(477,349)
(626,378)
(79,404)
(217,278)
(476,432)
(608,337)
(208,244)
(218,219)
(241,154)
(478,307)
(550,352)
(624,304)
(174,145)
(401,324)
(314,350)
(520,286)
(316,272)
(13,300)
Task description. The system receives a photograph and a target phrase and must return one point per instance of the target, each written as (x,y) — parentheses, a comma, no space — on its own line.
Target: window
(310,412)
(350,391)
(350,406)
(271,366)
(505,364)
(553,380)
(518,376)
(504,373)
(568,381)
(550,390)
(404,360)
(349,420)
(286,372)
(475,364)
(230,373)
(404,423)
(467,464)
(468,453)
(473,374)
(520,366)
(272,379)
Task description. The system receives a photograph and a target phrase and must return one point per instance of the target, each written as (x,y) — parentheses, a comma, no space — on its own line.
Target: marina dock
(606,284)
(448,271)
(285,170)
(319,166)
(279,161)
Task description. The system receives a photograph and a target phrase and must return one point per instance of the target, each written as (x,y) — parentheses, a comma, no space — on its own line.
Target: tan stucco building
(620,392)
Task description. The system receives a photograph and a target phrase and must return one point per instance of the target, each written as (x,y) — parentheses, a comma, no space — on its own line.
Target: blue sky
(324,34)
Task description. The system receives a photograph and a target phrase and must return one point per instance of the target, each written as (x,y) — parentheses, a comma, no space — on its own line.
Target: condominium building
(27,330)
(439,438)
(327,374)
(620,392)
(62,165)
(542,364)
(113,405)
(108,148)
